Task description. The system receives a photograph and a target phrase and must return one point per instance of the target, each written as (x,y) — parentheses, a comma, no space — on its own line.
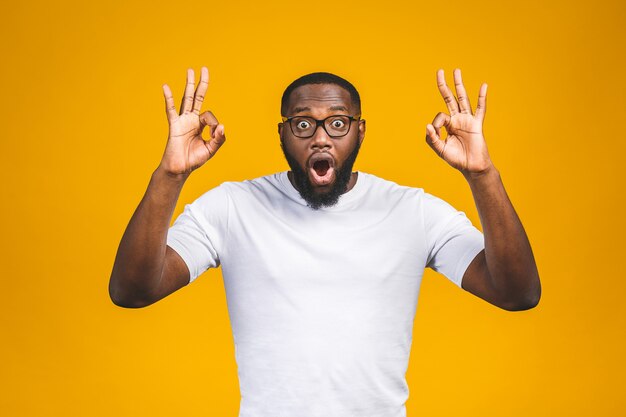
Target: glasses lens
(337,125)
(303,126)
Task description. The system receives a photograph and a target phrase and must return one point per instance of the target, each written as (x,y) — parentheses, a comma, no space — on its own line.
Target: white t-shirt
(322,302)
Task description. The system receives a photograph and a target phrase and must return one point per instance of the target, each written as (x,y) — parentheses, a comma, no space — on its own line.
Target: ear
(280,135)
(361,130)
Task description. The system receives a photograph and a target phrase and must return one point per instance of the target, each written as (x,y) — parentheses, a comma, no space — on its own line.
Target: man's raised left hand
(464,147)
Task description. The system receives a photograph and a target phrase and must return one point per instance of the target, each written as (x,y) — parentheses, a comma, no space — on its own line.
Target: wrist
(486,174)
(169,176)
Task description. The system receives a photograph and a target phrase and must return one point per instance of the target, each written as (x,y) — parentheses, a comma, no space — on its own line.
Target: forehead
(319,98)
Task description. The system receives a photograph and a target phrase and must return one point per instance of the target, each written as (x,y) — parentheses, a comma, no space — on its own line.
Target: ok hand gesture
(186,150)
(464,148)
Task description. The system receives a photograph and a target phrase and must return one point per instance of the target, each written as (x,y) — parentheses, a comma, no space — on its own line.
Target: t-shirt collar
(344,199)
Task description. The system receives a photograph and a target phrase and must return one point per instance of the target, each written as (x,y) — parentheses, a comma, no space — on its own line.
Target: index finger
(447,95)
(208,119)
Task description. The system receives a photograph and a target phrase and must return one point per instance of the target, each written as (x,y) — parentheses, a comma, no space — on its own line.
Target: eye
(303,124)
(337,123)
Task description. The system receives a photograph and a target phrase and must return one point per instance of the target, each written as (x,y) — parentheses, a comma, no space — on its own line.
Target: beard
(306,189)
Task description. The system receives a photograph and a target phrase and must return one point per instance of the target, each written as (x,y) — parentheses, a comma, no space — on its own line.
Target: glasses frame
(322,123)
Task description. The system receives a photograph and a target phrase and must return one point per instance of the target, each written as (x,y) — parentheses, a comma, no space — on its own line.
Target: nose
(320,138)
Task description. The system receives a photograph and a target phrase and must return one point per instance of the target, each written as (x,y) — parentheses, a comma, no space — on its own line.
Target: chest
(342,248)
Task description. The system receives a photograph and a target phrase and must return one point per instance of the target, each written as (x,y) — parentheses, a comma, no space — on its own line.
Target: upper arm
(452,241)
(175,275)
(477,281)
(196,239)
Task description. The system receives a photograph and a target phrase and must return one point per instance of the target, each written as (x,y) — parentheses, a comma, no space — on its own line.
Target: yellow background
(84,126)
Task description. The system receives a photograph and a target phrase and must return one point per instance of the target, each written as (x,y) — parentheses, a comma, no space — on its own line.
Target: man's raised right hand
(186,150)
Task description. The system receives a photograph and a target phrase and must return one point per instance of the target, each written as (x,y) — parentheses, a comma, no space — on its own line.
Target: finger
(441,119)
(481,107)
(170,107)
(188,97)
(217,140)
(208,119)
(201,90)
(461,95)
(432,138)
(446,93)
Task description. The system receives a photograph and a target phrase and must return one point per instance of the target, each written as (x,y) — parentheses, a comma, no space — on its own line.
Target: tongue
(321,167)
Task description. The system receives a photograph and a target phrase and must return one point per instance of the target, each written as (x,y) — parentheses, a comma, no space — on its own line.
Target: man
(322,265)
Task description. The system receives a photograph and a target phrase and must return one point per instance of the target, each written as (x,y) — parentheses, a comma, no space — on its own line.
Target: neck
(353,178)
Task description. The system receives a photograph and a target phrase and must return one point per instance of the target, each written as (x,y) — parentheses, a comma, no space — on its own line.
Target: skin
(146,269)
(504,273)
(320,101)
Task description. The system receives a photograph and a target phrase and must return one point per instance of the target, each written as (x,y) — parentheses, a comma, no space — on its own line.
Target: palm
(186,149)
(464,147)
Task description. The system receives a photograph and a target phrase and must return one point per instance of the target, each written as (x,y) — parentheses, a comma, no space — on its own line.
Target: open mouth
(322,168)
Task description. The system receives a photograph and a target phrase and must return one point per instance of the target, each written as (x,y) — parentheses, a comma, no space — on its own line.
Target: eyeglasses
(335,126)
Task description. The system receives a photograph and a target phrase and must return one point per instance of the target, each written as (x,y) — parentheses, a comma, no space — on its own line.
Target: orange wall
(83,127)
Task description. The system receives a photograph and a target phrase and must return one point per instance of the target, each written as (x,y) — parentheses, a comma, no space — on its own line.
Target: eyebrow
(301,109)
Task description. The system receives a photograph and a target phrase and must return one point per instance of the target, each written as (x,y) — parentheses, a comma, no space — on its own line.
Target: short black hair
(320,78)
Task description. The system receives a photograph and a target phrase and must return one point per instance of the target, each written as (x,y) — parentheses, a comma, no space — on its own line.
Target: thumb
(433,140)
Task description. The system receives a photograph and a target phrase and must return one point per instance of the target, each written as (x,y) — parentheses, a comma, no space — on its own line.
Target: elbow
(527,301)
(521,305)
(128,303)
(123,299)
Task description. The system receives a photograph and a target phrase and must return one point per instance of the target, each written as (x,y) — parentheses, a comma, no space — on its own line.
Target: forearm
(141,254)
(508,253)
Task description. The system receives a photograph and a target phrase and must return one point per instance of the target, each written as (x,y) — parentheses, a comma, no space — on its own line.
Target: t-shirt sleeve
(453,242)
(198,233)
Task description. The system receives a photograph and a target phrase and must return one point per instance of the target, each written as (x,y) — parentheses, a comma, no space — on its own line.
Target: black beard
(307,191)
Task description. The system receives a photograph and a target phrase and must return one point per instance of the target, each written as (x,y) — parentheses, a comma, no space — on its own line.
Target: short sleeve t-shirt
(322,302)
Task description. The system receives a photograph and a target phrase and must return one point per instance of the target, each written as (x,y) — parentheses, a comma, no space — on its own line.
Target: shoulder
(383,188)
(433,203)
(245,186)
(390,192)
(264,188)
(404,191)
(265,183)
